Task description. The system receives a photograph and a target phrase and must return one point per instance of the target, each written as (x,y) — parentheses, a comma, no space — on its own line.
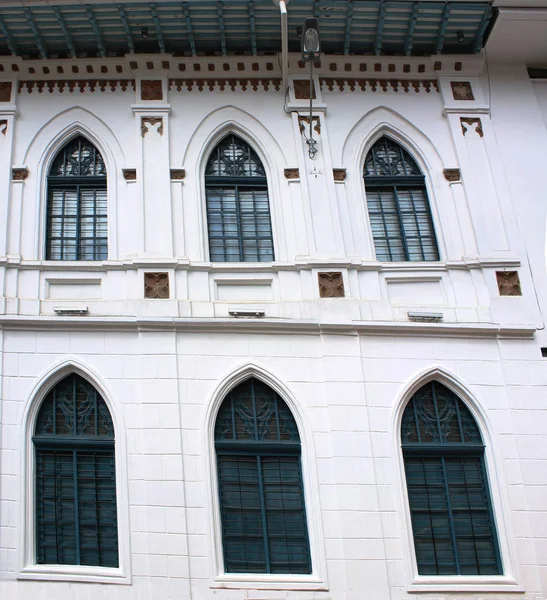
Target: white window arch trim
(27,566)
(215,139)
(382,121)
(43,149)
(317,580)
(397,137)
(210,131)
(509,580)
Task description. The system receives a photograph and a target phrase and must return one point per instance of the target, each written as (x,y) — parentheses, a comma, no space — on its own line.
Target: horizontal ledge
(289,326)
(467,584)
(76,574)
(296,265)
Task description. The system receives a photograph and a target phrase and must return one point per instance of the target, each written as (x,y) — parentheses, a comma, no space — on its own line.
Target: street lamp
(310,53)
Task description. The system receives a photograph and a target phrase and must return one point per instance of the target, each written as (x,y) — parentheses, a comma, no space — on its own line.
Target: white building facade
(397,276)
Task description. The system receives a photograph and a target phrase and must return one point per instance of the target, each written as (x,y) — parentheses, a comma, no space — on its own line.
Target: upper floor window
(264,528)
(238,210)
(77,207)
(448,491)
(398,207)
(76,516)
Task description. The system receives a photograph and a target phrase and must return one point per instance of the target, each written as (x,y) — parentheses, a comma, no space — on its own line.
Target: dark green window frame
(238,209)
(448,491)
(75,475)
(262,507)
(398,206)
(77,204)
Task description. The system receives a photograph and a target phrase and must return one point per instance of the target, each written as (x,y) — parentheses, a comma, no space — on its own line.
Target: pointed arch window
(238,208)
(447,484)
(398,207)
(75,490)
(77,204)
(264,527)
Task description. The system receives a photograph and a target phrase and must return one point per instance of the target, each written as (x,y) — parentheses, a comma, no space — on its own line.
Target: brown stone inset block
(19,174)
(339,174)
(5,91)
(331,285)
(156,285)
(452,174)
(292,173)
(461,90)
(302,89)
(178,174)
(129,174)
(508,283)
(151,89)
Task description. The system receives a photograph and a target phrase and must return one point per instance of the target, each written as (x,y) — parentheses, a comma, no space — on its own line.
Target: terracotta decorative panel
(151,90)
(452,174)
(178,174)
(151,121)
(508,283)
(292,174)
(19,174)
(5,91)
(129,174)
(331,285)
(156,285)
(302,89)
(461,90)
(339,174)
(471,124)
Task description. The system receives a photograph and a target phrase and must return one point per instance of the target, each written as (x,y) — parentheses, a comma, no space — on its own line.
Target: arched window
(238,210)
(76,518)
(77,208)
(264,527)
(398,207)
(448,491)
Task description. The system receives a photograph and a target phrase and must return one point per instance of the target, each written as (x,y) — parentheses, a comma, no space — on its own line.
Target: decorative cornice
(372,85)
(77,85)
(214,85)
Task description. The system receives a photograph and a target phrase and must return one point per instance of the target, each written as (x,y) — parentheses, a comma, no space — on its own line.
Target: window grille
(76,518)
(264,528)
(77,204)
(398,206)
(448,492)
(238,209)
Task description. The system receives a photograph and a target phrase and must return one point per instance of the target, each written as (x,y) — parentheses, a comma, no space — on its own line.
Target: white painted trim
(27,567)
(317,580)
(212,129)
(42,150)
(500,503)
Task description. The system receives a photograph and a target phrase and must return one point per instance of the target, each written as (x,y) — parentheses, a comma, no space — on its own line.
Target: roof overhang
(73,28)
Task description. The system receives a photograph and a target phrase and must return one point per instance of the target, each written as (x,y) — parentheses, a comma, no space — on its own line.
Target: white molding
(267,325)
(317,580)
(500,505)
(27,567)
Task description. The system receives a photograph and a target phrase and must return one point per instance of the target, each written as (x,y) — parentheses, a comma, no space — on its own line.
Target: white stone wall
(345,366)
